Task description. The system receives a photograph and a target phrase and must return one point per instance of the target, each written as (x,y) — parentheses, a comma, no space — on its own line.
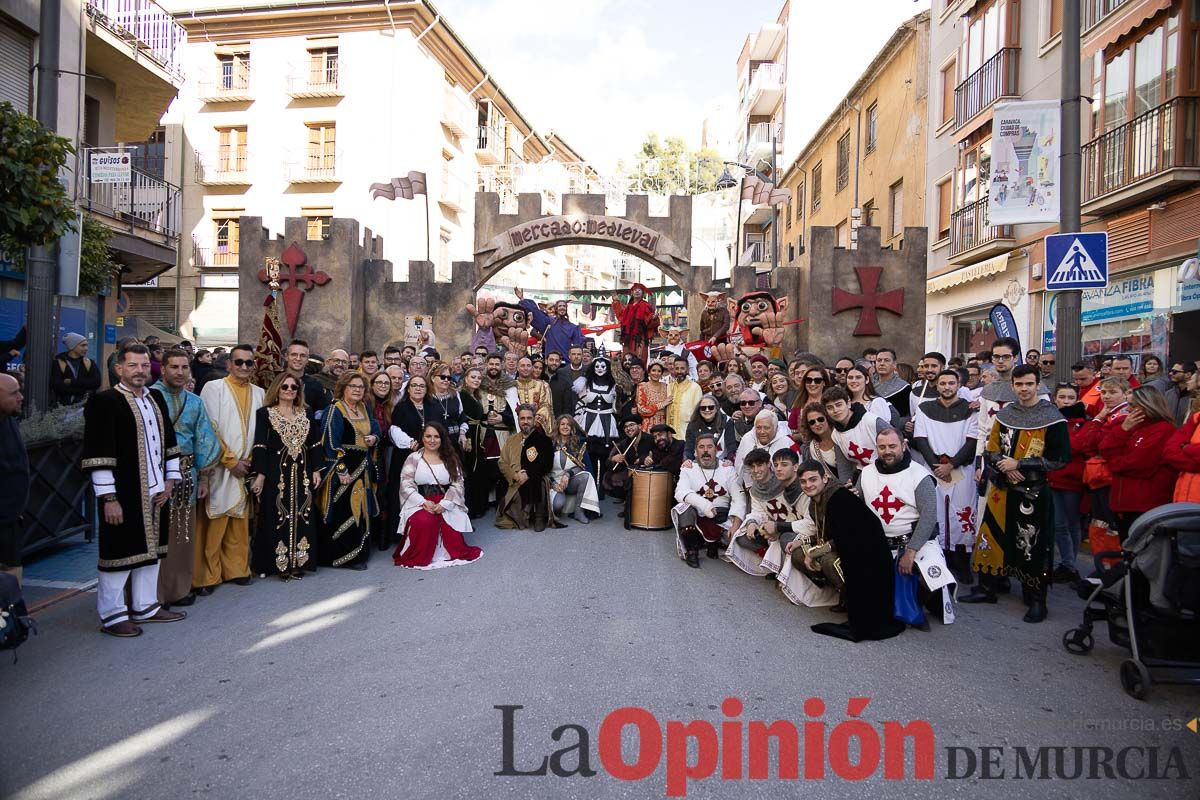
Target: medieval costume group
(845,484)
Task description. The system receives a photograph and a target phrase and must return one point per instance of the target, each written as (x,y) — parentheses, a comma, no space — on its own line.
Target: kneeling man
(708,496)
(525,462)
(903,495)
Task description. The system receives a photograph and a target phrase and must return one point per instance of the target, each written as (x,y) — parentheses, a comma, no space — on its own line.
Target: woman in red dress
(433,515)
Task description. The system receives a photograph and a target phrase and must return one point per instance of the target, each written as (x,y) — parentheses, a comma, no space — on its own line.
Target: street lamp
(727,181)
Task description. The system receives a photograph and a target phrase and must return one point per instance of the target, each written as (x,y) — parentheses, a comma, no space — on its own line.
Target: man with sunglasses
(840,368)
(223,533)
(1046,363)
(1179,399)
(199,450)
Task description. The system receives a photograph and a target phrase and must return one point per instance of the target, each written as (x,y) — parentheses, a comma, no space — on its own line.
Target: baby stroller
(1150,600)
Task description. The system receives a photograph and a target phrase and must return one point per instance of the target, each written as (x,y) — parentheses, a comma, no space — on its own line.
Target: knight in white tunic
(708,497)
(901,493)
(854,428)
(945,435)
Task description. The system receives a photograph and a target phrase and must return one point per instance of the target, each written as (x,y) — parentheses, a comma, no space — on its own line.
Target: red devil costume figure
(639,321)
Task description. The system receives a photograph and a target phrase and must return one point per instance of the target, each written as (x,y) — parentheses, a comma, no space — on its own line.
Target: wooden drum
(650,501)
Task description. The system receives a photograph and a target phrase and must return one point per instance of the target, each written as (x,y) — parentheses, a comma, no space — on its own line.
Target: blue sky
(603,73)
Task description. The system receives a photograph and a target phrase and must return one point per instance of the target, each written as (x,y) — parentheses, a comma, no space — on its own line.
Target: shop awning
(1122,23)
(974,272)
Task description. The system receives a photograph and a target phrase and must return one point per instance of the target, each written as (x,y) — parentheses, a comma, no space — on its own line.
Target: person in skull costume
(597,413)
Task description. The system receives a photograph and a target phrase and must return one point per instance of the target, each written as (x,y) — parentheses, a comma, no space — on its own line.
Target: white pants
(110,594)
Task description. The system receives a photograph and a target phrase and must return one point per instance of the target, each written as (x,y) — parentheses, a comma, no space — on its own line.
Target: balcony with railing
(765,89)
(996,79)
(489,144)
(453,193)
(231,86)
(213,256)
(228,166)
(761,137)
(146,203)
(145,28)
(456,115)
(320,79)
(315,165)
(1152,153)
(973,239)
(756,250)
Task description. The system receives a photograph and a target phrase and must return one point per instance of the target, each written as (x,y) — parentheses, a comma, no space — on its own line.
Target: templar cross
(778,510)
(870,301)
(887,504)
(299,274)
(861,454)
(967,517)
(714,489)
(993,410)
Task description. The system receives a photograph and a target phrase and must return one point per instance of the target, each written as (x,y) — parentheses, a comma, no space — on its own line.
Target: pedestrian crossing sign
(1076,261)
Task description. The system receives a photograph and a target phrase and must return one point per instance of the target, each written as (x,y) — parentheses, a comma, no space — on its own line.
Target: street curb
(60,597)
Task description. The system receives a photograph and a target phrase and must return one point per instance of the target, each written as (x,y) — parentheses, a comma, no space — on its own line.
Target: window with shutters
(226,235)
(322,146)
(896,213)
(16,68)
(842,232)
(323,67)
(948,83)
(944,200)
(843,161)
(232,149)
(317,222)
(234,70)
(872,127)
(816,188)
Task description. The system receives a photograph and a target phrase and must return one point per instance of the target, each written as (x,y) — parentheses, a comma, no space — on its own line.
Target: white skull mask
(601,368)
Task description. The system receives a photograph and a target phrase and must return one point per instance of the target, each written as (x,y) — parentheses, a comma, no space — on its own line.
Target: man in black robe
(525,462)
(630,449)
(666,453)
(130,450)
(857,535)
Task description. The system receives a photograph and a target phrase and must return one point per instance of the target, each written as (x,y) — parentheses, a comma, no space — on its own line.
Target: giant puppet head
(510,324)
(759,318)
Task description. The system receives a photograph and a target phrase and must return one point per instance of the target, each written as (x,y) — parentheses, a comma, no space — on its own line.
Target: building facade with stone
(293,110)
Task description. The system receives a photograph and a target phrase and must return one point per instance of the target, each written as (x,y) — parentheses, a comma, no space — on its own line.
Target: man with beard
(706,495)
(596,414)
(714,320)
(685,395)
(666,452)
(758,372)
(558,333)
(734,386)
(562,380)
(534,392)
(854,428)
(628,451)
(674,348)
(749,541)
(1028,439)
(199,450)
(525,462)
(891,387)
(901,493)
(945,436)
(639,322)
(322,393)
(498,398)
(841,518)
(316,398)
(928,368)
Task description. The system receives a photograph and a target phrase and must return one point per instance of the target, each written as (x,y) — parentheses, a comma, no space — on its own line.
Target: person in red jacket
(1114,405)
(1068,487)
(1183,452)
(1142,479)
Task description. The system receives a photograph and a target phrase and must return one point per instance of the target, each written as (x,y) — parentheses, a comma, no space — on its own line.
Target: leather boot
(711,550)
(692,557)
(1037,606)
(983,592)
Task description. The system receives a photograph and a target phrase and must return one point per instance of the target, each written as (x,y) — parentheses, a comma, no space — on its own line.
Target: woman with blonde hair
(348,502)
(572,486)
(286,462)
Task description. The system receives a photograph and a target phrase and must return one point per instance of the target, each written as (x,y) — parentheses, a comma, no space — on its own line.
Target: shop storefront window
(973,333)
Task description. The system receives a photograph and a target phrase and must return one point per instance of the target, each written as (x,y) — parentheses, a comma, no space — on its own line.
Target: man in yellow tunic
(223,531)
(685,396)
(531,391)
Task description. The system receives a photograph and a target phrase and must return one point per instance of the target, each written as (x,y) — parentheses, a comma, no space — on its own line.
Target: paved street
(382,684)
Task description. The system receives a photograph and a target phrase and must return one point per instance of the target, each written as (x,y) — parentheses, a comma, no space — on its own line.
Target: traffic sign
(1076,261)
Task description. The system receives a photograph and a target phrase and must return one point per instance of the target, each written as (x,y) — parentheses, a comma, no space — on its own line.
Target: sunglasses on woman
(288,387)
(708,408)
(814,380)
(816,421)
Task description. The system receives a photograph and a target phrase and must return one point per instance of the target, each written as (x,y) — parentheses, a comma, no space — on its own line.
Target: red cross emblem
(870,301)
(967,517)
(714,489)
(778,510)
(861,454)
(299,278)
(994,409)
(887,504)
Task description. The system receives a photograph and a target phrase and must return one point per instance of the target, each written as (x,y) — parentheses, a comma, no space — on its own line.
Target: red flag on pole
(268,358)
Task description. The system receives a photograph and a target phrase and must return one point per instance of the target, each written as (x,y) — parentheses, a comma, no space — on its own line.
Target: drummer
(666,452)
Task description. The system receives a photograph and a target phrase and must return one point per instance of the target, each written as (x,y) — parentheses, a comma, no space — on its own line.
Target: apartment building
(120,67)
(865,166)
(1139,172)
(294,109)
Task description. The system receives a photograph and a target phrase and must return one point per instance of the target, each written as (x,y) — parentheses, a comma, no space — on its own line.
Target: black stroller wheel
(1135,679)
(1078,641)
